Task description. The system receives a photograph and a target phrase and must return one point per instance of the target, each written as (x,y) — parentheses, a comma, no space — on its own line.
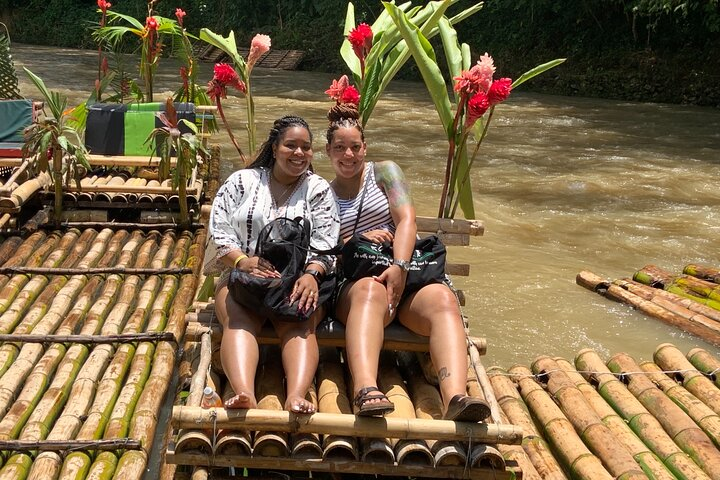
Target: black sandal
(463,408)
(374,409)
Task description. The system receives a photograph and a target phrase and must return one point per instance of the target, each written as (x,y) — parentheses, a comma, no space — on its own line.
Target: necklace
(281,198)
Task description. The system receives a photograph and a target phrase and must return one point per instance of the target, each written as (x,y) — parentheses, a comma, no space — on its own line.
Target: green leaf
(189,125)
(453,53)
(51,100)
(536,71)
(425,59)
(113,17)
(227,45)
(370,91)
(346,51)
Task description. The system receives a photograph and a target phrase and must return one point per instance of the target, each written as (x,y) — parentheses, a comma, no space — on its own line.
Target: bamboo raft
(690,301)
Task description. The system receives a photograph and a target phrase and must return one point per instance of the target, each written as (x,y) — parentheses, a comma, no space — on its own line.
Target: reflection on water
(562,184)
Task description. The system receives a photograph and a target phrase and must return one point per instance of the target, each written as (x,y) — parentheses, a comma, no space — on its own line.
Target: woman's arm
(392,180)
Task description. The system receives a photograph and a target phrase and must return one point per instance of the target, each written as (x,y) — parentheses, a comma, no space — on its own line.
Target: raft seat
(412,441)
(123,176)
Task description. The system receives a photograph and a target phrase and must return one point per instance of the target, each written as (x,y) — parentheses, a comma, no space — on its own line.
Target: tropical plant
(474,97)
(260,45)
(170,140)
(53,138)
(374,54)
(150,35)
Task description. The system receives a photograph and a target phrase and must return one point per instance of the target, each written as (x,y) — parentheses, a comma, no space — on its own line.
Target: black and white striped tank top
(375,214)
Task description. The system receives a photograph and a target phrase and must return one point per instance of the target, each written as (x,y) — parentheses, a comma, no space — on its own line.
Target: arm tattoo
(392,180)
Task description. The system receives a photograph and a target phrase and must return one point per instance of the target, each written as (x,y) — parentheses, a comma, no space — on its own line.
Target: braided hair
(265,157)
(345,115)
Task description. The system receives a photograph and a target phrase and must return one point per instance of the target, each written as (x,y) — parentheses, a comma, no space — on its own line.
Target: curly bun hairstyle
(265,157)
(344,115)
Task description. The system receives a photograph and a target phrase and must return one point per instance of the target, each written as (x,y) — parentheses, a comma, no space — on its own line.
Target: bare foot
(241,400)
(299,405)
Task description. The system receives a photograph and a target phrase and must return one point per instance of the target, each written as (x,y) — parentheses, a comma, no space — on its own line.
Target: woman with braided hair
(279,183)
(373,200)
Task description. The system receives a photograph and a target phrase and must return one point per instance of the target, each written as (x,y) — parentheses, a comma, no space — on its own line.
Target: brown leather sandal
(463,408)
(373,409)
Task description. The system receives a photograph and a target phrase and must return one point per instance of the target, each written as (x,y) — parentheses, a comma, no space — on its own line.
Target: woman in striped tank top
(368,305)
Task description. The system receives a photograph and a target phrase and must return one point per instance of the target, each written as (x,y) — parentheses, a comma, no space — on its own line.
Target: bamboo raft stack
(90,322)
(690,301)
(595,419)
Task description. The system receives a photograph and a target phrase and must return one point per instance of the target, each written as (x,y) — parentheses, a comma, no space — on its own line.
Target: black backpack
(284,242)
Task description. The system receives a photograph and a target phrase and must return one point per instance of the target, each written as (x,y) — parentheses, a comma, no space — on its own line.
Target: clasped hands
(304,292)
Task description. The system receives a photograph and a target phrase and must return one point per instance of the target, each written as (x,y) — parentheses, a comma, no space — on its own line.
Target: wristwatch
(403,264)
(316,274)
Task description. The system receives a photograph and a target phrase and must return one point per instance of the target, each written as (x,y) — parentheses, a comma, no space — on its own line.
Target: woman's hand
(379,236)
(394,280)
(305,292)
(258,267)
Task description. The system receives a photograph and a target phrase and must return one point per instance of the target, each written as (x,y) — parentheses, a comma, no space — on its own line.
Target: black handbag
(284,242)
(362,257)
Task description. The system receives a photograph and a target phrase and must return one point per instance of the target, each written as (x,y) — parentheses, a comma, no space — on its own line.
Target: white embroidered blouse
(244,205)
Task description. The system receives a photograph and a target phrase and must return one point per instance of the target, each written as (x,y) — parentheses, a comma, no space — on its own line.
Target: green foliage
(53,138)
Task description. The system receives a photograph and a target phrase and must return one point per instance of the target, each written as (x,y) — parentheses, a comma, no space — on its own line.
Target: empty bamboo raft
(89,327)
(689,301)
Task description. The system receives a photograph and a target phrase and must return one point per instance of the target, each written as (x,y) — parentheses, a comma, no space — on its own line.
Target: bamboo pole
(669,357)
(90,339)
(428,406)
(144,420)
(95,271)
(390,381)
(654,276)
(588,425)
(573,452)
(533,444)
(232,442)
(706,363)
(482,378)
(307,445)
(705,328)
(486,456)
(146,197)
(325,423)
(686,434)
(701,271)
(332,398)
(270,393)
(649,293)
(643,423)
(703,416)
(648,461)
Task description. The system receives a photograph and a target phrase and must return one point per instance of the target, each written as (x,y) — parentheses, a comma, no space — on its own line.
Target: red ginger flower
(151,24)
(361,38)
(104,66)
(476,108)
(338,87)
(103,5)
(225,76)
(180,14)
(350,95)
(499,90)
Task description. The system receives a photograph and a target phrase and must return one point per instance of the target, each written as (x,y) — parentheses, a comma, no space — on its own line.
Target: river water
(562,184)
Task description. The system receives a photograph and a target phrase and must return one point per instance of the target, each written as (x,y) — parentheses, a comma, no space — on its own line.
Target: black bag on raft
(284,242)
